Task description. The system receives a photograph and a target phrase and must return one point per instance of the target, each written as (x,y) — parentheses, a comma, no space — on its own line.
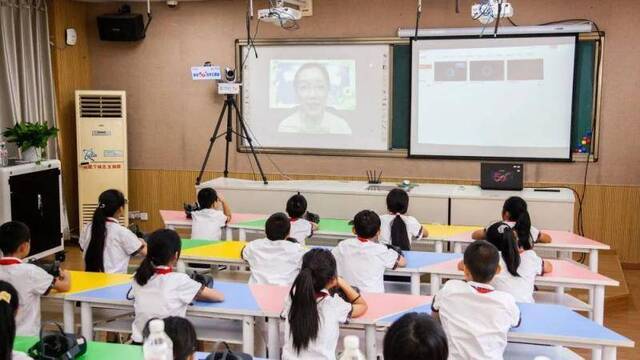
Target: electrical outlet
(144,216)
(133,215)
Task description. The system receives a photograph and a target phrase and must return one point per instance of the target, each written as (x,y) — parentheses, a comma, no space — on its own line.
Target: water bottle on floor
(158,346)
(351,349)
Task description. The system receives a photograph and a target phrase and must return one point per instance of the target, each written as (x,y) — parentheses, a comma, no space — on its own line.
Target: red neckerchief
(362,240)
(10,261)
(293,219)
(481,290)
(161,270)
(112,220)
(320,295)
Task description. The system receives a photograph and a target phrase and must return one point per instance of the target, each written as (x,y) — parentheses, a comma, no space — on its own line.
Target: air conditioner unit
(101,130)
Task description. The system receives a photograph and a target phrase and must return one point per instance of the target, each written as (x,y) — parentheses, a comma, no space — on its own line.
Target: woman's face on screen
(312,89)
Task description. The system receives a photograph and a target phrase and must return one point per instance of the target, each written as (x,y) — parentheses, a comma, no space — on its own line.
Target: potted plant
(31,138)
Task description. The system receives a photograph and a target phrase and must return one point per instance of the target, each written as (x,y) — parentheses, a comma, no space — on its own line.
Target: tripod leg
(211,141)
(243,130)
(228,138)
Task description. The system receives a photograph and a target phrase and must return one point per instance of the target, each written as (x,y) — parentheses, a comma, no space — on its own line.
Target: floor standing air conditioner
(101,128)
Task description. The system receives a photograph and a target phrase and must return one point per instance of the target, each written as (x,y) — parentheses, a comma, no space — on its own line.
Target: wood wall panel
(610,212)
(71,70)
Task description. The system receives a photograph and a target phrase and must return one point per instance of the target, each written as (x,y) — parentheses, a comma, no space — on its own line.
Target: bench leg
(370,340)
(439,246)
(248,329)
(86,320)
(242,235)
(609,353)
(274,338)
(598,304)
(593,260)
(415,284)
(68,307)
(435,284)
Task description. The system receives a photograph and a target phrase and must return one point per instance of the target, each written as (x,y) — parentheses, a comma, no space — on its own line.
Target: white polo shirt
(333,311)
(31,282)
(207,224)
(162,296)
(120,244)
(414,228)
(535,233)
(18,355)
(273,262)
(301,229)
(520,287)
(476,319)
(363,263)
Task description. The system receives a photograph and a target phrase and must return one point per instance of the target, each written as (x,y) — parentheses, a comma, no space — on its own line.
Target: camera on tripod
(229,86)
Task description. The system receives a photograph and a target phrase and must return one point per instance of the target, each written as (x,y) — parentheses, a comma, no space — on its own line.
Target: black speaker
(121,27)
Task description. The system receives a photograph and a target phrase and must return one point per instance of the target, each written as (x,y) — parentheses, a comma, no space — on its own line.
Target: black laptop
(501,176)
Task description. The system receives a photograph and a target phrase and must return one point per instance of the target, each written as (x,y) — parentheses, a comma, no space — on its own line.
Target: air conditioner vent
(100,106)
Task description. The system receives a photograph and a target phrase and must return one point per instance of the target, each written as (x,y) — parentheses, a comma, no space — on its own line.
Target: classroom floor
(624,319)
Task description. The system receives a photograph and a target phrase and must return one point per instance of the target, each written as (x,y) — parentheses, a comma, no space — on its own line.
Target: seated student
(30,280)
(182,334)
(516,215)
(107,245)
(301,228)
(415,336)
(520,261)
(475,316)
(213,215)
(274,260)
(396,228)
(312,314)
(159,292)
(362,261)
(9,303)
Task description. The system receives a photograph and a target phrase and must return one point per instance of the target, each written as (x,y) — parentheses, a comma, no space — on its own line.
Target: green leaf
(27,135)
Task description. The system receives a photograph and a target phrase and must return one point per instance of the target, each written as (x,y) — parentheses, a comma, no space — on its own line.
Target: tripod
(229,106)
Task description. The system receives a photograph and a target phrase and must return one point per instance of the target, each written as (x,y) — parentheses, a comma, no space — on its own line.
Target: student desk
(176,219)
(228,253)
(566,273)
(554,325)
(82,281)
(239,304)
(563,241)
(340,229)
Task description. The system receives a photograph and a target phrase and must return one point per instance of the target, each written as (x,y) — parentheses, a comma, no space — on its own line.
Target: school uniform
(414,228)
(301,229)
(18,355)
(476,319)
(31,282)
(534,232)
(332,311)
(362,263)
(520,287)
(207,224)
(167,293)
(275,262)
(120,244)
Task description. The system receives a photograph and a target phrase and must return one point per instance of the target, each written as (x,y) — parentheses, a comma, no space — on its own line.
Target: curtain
(26,80)
(27,91)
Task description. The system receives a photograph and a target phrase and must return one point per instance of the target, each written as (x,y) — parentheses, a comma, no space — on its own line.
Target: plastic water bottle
(351,349)
(158,346)
(4,155)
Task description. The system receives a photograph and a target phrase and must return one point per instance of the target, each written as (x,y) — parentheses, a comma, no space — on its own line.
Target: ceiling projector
(486,11)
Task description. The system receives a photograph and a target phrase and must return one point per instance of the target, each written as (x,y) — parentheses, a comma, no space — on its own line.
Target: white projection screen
(317,96)
(504,97)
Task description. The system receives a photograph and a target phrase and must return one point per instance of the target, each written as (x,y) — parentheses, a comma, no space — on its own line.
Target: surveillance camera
(172,3)
(229,74)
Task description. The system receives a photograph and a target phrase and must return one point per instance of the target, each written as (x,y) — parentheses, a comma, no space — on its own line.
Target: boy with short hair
(209,220)
(362,261)
(30,280)
(275,260)
(475,317)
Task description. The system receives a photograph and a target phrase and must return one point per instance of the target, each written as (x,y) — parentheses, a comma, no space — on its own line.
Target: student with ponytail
(519,265)
(312,314)
(397,228)
(516,215)
(9,303)
(157,291)
(107,245)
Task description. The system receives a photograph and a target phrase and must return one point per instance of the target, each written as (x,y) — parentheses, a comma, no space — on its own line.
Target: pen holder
(374,177)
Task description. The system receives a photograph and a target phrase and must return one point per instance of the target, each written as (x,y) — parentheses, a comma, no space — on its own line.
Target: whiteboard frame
(397,153)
